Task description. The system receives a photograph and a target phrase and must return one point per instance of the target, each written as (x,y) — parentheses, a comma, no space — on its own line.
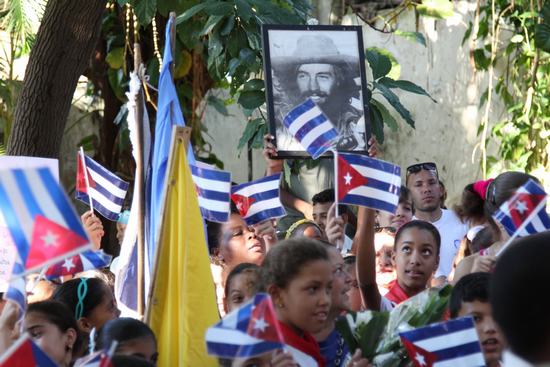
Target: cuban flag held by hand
(311,127)
(524,211)
(246,332)
(42,222)
(106,189)
(258,200)
(214,189)
(454,343)
(366,181)
(88,260)
(23,353)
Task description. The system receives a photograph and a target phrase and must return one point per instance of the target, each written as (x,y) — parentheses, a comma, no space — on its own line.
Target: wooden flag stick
(85,168)
(335,154)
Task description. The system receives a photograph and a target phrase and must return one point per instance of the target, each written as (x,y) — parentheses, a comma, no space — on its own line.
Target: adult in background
(422,180)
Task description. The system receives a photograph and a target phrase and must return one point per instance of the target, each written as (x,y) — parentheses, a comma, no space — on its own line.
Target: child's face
(491,340)
(105,311)
(354,295)
(415,259)
(240,244)
(143,347)
(402,215)
(341,283)
(305,302)
(240,290)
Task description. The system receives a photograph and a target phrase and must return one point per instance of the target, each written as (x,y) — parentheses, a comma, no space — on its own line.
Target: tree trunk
(65,40)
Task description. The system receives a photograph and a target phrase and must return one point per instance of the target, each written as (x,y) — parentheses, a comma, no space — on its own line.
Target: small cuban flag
(88,260)
(42,222)
(454,343)
(258,200)
(311,127)
(23,353)
(214,189)
(365,181)
(104,190)
(525,211)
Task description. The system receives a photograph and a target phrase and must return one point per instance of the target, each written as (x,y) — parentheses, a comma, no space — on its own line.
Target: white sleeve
(386,304)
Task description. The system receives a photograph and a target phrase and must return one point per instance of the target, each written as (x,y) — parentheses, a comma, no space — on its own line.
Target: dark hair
(67,293)
(483,239)
(350,259)
(471,287)
(244,268)
(298,228)
(58,314)
(328,196)
(503,187)
(471,205)
(122,330)
(420,224)
(404,195)
(284,261)
(522,273)
(119,360)
(214,231)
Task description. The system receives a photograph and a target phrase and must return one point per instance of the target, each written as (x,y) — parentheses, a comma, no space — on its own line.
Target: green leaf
(394,101)
(412,36)
(244,10)
(233,65)
(377,122)
(218,104)
(219,8)
(542,36)
(386,116)
(215,46)
(115,58)
(380,64)
(249,132)
(212,21)
(254,84)
(251,99)
(518,38)
(440,9)
(236,42)
(468,33)
(247,56)
(481,61)
(405,85)
(545,12)
(228,26)
(144,10)
(190,12)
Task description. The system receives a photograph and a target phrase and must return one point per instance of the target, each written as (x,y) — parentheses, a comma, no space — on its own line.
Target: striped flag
(311,127)
(454,343)
(213,188)
(88,260)
(524,211)
(248,331)
(24,353)
(42,222)
(369,182)
(106,189)
(258,200)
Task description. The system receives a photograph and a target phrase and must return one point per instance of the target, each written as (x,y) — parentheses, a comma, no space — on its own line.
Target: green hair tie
(81,293)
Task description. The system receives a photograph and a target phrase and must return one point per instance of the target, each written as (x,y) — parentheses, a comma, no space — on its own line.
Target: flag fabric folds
(258,200)
(454,343)
(85,261)
(182,302)
(213,188)
(311,127)
(106,189)
(246,332)
(367,182)
(42,222)
(524,211)
(24,353)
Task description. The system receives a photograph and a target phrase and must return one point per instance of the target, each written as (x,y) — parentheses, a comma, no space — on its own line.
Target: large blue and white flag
(311,127)
(525,211)
(369,182)
(106,189)
(42,222)
(258,200)
(454,343)
(214,190)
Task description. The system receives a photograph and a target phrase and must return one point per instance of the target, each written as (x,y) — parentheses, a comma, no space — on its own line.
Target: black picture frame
(286,49)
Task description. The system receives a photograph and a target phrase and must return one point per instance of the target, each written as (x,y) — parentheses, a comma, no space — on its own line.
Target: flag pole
(528,220)
(83,161)
(335,154)
(140,179)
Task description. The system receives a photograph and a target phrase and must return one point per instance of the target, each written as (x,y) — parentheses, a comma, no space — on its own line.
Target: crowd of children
(323,266)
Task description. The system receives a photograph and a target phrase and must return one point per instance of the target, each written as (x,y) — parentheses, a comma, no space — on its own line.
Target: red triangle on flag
(242,203)
(80,178)
(50,240)
(263,322)
(23,356)
(419,357)
(521,205)
(348,178)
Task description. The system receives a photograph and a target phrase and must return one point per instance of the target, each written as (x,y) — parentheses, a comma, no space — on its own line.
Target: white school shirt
(452,231)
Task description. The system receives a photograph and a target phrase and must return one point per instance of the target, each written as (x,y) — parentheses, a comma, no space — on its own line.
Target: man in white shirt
(423,181)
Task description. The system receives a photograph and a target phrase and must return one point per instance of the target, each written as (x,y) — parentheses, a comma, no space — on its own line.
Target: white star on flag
(521,207)
(50,239)
(348,178)
(420,359)
(68,264)
(260,324)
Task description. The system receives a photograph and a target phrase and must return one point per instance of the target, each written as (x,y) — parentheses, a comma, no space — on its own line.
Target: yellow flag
(182,302)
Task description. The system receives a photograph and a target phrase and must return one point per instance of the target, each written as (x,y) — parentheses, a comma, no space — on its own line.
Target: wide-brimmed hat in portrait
(315,49)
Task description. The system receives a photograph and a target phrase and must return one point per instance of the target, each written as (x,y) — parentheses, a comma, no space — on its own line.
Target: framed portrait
(325,64)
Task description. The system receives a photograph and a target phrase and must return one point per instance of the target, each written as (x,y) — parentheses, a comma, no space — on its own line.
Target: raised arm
(363,244)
